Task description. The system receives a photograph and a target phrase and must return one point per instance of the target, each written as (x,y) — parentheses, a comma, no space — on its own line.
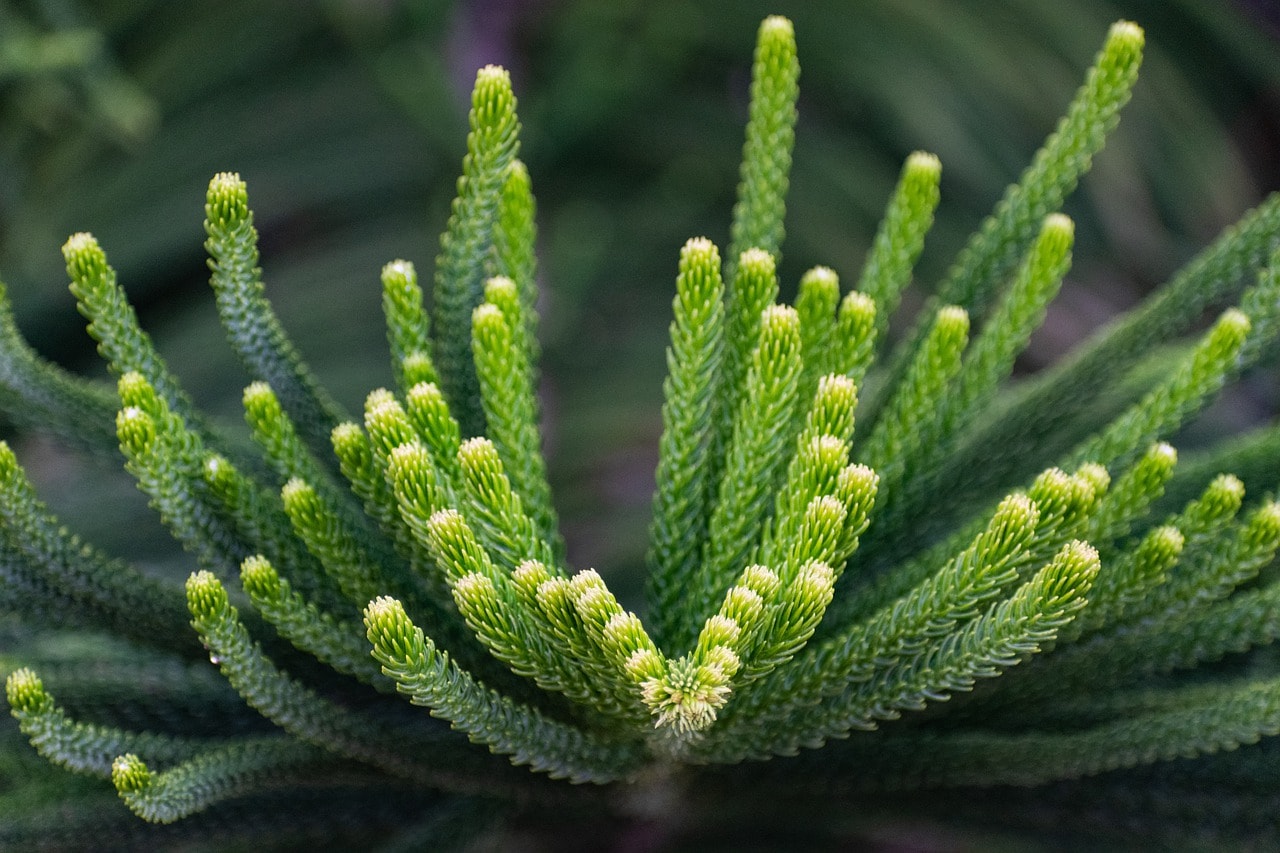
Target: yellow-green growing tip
(486,316)
(1126,32)
(24,690)
(1059,223)
(8,461)
(135,430)
(499,289)
(205,594)
(1019,510)
(81,241)
(134,388)
(226,182)
(776,27)
(259,578)
(1235,323)
(86,262)
(1168,539)
(399,272)
(757,260)
(217,470)
(1166,453)
(227,188)
(698,248)
(954,319)
(492,74)
(388,627)
(1265,521)
(259,394)
(923,164)
(129,774)
(295,489)
(779,319)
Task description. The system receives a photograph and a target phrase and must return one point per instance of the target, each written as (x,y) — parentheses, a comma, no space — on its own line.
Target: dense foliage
(1035,547)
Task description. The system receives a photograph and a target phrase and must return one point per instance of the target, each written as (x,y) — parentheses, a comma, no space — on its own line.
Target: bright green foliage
(819,568)
(408,325)
(500,344)
(467,243)
(683,494)
(514,237)
(252,327)
(901,236)
(766,154)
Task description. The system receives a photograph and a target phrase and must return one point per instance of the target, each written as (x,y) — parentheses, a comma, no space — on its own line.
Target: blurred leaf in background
(345,117)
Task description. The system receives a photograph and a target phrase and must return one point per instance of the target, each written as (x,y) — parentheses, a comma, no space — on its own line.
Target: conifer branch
(1166,406)
(167,460)
(1065,156)
(492,145)
(252,327)
(900,237)
(113,324)
(514,238)
(35,393)
(754,457)
(931,610)
(501,351)
(247,766)
(408,325)
(1081,618)
(1235,716)
(259,517)
(41,553)
(82,747)
(816,305)
(682,495)
(430,678)
(304,625)
(407,753)
(766,153)
(855,335)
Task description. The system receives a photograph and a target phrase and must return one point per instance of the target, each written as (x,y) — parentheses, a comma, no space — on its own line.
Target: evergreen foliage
(820,569)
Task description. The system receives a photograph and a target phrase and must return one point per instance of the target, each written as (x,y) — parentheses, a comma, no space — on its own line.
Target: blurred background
(348,119)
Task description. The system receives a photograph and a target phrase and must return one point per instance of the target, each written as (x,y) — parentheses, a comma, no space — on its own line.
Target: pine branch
(972,577)
(754,459)
(500,348)
(855,335)
(167,460)
(330,640)
(234,770)
(35,393)
(766,153)
(430,678)
(1056,168)
(82,747)
(113,324)
(816,305)
(1167,406)
(1007,633)
(909,422)
(1208,279)
(408,326)
(1235,715)
(85,581)
(492,145)
(900,237)
(514,239)
(252,327)
(260,517)
(364,737)
(682,495)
